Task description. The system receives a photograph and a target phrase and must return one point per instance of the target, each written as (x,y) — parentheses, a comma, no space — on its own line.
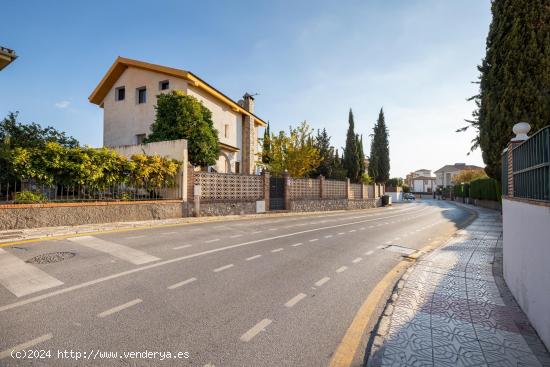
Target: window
(120,93)
(237,167)
(140,138)
(226,130)
(164,85)
(141,94)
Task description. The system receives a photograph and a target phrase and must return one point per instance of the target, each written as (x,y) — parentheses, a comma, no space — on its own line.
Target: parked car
(408,196)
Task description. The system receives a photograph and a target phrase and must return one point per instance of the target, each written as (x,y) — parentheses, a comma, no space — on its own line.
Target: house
(128,92)
(421,180)
(444,175)
(6,57)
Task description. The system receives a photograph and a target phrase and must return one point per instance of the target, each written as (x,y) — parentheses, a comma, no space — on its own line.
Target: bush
(485,189)
(29,197)
(461,190)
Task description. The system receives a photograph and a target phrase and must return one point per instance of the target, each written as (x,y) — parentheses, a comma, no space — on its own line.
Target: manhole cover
(400,249)
(52,257)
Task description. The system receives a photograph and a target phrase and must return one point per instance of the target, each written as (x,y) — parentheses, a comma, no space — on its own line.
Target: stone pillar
(364,191)
(321,187)
(266,183)
(249,145)
(348,189)
(286,186)
(190,182)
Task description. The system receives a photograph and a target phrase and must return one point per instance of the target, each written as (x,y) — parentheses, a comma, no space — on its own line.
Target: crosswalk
(22,279)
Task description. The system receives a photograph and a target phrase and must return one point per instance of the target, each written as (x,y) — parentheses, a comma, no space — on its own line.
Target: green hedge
(461,190)
(485,189)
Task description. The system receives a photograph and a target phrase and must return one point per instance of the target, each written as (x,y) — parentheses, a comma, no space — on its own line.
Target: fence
(28,192)
(335,189)
(531,167)
(356,191)
(303,188)
(220,187)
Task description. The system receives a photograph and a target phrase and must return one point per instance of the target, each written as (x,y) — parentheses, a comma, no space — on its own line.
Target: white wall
(395,196)
(526,251)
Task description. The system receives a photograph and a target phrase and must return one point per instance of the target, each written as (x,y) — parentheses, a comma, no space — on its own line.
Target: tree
(294,153)
(379,165)
(351,152)
(14,134)
(338,171)
(360,154)
(395,182)
(514,80)
(179,116)
(469,175)
(266,146)
(326,154)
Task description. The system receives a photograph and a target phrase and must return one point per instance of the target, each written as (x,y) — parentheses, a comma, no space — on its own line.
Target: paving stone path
(453,308)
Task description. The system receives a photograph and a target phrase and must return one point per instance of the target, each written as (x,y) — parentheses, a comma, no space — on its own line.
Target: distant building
(444,175)
(421,180)
(6,57)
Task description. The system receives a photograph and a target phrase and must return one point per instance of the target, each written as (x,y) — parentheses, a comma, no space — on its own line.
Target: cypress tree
(322,142)
(266,146)
(351,152)
(514,77)
(379,165)
(361,155)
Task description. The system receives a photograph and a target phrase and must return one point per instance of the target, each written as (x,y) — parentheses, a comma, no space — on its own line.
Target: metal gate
(276,193)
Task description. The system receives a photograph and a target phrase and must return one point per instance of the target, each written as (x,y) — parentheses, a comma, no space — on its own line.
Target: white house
(421,180)
(444,175)
(128,92)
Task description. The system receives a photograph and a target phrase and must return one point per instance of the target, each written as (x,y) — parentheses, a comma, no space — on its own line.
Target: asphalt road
(279,291)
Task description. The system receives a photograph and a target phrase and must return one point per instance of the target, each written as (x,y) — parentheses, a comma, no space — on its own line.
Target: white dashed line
(255,330)
(297,244)
(368,253)
(322,281)
(180,247)
(277,249)
(222,268)
(351,231)
(340,233)
(210,241)
(8,352)
(314,239)
(355,261)
(119,308)
(362,228)
(177,285)
(342,269)
(236,235)
(328,236)
(256,232)
(295,300)
(253,257)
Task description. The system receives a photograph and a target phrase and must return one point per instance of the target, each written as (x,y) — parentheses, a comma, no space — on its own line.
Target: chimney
(248,102)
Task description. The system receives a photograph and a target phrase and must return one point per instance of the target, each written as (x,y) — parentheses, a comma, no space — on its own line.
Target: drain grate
(400,249)
(52,257)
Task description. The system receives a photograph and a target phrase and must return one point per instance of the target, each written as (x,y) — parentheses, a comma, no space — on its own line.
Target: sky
(307,60)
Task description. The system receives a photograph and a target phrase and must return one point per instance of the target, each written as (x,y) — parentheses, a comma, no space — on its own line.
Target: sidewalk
(452,308)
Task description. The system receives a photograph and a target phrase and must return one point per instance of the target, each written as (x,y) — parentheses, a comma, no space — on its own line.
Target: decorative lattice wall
(301,188)
(335,189)
(216,187)
(356,190)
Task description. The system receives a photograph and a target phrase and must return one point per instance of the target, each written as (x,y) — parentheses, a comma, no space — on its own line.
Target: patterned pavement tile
(507,357)
(501,338)
(405,315)
(453,326)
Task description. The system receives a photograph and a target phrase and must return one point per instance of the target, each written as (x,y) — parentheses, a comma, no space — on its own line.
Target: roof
(6,57)
(423,178)
(228,147)
(121,64)
(459,167)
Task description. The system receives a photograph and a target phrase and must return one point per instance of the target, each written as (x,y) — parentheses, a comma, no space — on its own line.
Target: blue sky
(308,60)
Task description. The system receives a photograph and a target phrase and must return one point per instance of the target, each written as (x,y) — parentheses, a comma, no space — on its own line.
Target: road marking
(177,285)
(256,232)
(328,236)
(340,233)
(236,235)
(21,278)
(214,240)
(180,247)
(362,228)
(291,302)
(277,249)
(255,330)
(222,268)
(353,230)
(322,281)
(314,239)
(168,233)
(297,244)
(126,253)
(119,308)
(7,353)
(134,237)
(368,253)
(341,269)
(170,261)
(355,261)
(253,257)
